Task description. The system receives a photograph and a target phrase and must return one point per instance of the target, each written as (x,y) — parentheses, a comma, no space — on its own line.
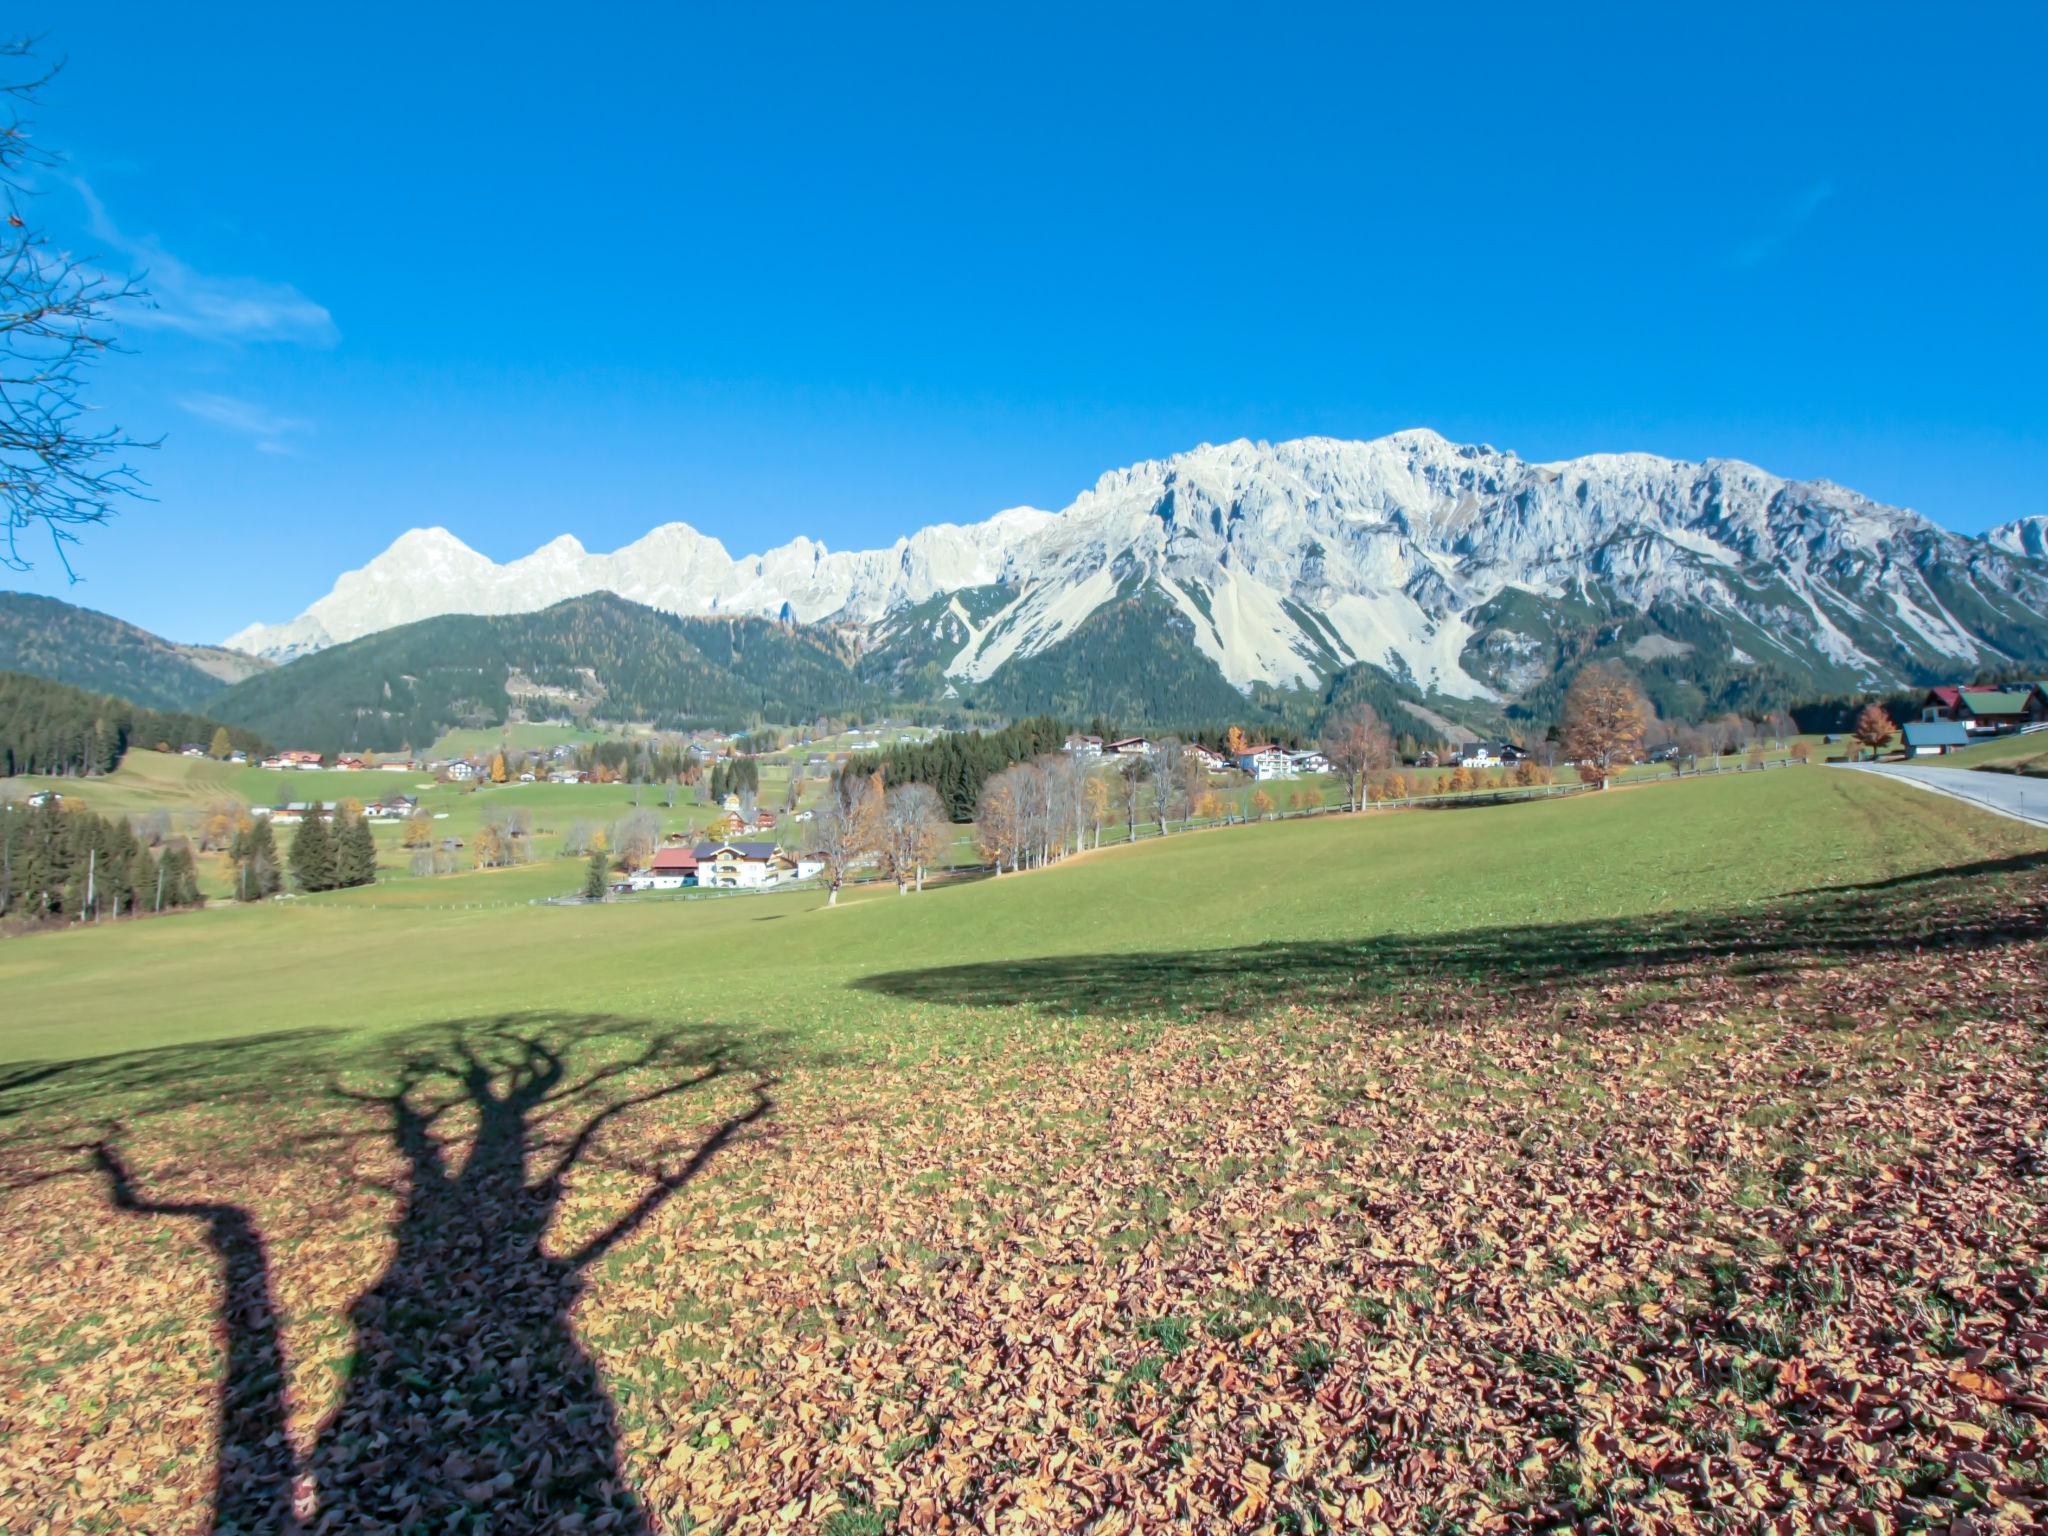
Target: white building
(1265,762)
(1087,748)
(735,866)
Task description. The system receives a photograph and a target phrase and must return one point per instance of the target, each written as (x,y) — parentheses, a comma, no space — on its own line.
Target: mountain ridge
(49,638)
(1454,567)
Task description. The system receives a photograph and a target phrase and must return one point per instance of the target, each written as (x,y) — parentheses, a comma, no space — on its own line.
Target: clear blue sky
(840,273)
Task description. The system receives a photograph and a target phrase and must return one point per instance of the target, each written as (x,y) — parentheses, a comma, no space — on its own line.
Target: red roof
(1947,697)
(674,861)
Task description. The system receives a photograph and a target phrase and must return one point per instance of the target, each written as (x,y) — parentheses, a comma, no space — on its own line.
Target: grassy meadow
(1668,1159)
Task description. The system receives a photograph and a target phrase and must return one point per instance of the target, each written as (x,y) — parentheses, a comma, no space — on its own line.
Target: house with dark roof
(735,865)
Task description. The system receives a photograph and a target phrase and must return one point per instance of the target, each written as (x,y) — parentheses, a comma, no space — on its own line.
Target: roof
(744,850)
(1936,733)
(1987,703)
(1945,695)
(674,860)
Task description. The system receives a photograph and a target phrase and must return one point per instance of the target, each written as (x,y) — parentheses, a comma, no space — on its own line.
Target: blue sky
(844,274)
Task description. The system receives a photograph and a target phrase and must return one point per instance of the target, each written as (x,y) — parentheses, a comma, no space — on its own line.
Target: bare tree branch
(58,470)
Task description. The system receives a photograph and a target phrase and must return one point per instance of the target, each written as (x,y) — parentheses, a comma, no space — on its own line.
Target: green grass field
(1672,846)
(2005,754)
(1475,1169)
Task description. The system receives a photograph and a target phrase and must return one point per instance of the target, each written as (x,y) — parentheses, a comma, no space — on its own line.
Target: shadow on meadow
(1992,902)
(470,1404)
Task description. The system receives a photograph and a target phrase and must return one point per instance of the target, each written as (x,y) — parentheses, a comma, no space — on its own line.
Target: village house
(1211,760)
(192,749)
(1987,711)
(1934,738)
(1265,761)
(238,757)
(398,765)
(1087,748)
(1310,762)
(349,765)
(735,865)
(460,772)
(1130,746)
(669,870)
(1489,754)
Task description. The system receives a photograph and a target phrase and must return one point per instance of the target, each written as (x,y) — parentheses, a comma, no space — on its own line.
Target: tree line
(333,856)
(957,764)
(52,728)
(57,864)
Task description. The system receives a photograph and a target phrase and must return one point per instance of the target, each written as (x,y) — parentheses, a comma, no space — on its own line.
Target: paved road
(2004,794)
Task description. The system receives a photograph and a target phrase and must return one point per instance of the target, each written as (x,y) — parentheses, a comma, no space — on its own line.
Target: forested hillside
(591,657)
(68,644)
(48,727)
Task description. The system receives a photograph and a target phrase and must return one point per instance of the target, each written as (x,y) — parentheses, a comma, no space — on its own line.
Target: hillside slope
(45,637)
(595,656)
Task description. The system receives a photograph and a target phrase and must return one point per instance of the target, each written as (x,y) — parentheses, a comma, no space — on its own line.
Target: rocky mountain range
(2028,536)
(1458,570)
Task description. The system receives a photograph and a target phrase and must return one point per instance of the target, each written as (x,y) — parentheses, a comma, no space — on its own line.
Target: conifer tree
(221,745)
(254,855)
(312,856)
(594,876)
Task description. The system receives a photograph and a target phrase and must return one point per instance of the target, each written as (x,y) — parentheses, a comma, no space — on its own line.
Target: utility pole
(92,860)
(159,887)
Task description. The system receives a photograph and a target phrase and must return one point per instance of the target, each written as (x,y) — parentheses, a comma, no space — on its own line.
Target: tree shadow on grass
(470,1403)
(1991,903)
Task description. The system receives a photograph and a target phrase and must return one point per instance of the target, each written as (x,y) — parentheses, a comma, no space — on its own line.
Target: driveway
(2003,794)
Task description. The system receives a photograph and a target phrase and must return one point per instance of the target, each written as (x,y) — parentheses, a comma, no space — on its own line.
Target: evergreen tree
(312,856)
(594,876)
(352,851)
(254,855)
(222,745)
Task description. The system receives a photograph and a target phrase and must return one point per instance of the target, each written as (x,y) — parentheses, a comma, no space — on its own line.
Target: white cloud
(1757,250)
(270,432)
(213,308)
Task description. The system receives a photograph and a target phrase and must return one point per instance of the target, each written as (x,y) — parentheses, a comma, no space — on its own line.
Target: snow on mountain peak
(1286,561)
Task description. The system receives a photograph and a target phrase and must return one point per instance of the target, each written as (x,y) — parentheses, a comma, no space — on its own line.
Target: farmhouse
(1489,754)
(1213,761)
(460,772)
(1310,762)
(1987,711)
(735,866)
(399,765)
(669,870)
(1265,761)
(1087,748)
(1130,746)
(1935,738)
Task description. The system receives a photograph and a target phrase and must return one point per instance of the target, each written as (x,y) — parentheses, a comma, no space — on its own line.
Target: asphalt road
(2004,794)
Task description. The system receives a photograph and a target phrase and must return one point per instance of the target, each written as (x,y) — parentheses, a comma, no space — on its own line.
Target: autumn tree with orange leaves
(1604,717)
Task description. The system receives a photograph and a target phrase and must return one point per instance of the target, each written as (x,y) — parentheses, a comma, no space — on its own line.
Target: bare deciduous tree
(915,831)
(56,315)
(846,829)
(1358,745)
(1130,773)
